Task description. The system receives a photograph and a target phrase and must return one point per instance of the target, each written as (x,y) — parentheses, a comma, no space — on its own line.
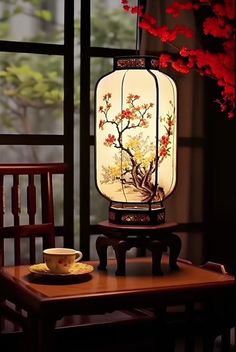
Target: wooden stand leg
(120,249)
(174,243)
(157,249)
(101,246)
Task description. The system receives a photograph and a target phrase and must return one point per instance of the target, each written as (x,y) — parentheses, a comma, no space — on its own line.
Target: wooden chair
(28,190)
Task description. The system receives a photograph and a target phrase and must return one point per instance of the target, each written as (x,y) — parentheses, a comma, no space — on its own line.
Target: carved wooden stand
(156,238)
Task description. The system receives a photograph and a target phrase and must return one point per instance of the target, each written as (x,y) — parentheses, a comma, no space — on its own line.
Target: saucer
(78,269)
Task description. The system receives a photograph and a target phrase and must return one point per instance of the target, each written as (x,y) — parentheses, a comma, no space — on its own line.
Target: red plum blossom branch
(220,65)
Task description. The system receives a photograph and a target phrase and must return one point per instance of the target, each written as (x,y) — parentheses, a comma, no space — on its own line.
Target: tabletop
(105,287)
(47,300)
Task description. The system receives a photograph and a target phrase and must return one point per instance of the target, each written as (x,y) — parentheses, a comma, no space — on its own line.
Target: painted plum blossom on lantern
(135,160)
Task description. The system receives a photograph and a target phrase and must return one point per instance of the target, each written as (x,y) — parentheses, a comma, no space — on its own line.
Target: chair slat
(2,200)
(16,208)
(15,200)
(31,199)
(31,209)
(2,210)
(47,198)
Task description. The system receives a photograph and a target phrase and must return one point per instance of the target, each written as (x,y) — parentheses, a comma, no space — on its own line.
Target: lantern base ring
(136,216)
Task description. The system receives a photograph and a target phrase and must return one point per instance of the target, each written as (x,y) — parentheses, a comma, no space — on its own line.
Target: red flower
(219,10)
(177,6)
(179,66)
(220,65)
(110,140)
(163,152)
(144,24)
(143,123)
(164,60)
(126,8)
(149,19)
(107,96)
(165,140)
(126,114)
(217,28)
(101,124)
(137,10)
(184,51)
(132,97)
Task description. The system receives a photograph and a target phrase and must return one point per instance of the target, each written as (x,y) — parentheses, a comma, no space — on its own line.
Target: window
(48,69)
(37,88)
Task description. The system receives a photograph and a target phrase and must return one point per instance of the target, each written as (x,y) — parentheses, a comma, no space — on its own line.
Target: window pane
(31,94)
(99,67)
(111,26)
(32,21)
(30,154)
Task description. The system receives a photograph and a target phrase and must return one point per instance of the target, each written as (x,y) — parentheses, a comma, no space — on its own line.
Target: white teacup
(61,260)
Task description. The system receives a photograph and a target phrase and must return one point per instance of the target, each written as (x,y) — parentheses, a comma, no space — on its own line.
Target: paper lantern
(135,150)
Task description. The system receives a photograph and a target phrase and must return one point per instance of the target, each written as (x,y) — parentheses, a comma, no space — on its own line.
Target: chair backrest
(28,182)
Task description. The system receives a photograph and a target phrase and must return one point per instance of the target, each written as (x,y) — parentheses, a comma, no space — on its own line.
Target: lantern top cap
(136,62)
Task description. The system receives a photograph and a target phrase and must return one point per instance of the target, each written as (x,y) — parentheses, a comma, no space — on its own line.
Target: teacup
(61,260)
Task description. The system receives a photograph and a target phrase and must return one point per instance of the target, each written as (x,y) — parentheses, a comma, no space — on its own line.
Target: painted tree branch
(137,154)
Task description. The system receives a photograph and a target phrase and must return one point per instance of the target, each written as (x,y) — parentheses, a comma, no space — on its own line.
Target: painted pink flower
(101,124)
(110,140)
(127,114)
(163,152)
(165,140)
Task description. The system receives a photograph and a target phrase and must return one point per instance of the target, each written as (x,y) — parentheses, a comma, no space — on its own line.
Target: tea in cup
(61,260)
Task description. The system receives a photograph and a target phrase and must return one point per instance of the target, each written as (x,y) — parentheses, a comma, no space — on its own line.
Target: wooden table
(104,291)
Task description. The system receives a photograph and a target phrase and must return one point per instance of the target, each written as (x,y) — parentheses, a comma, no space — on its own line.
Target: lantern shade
(135,133)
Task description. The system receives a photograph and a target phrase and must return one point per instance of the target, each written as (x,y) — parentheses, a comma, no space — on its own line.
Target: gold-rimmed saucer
(78,269)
